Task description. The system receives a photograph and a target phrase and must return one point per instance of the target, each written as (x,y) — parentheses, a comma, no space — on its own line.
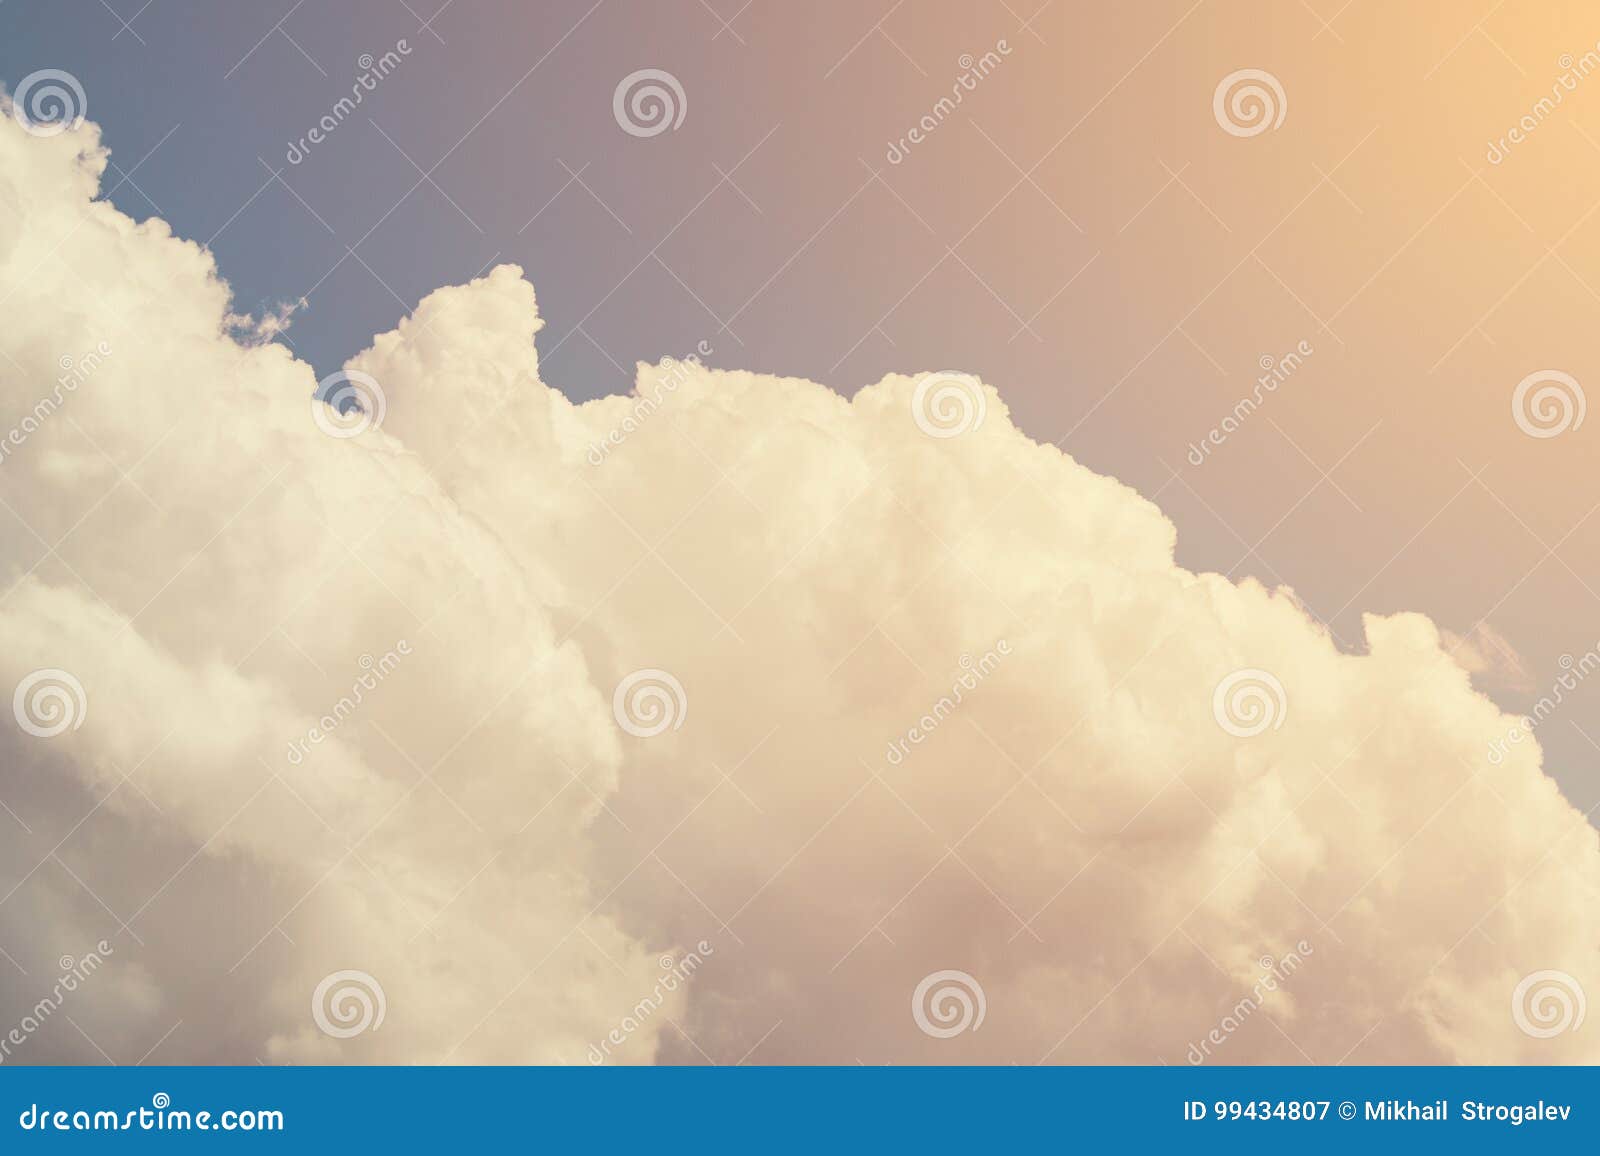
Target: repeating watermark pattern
(1249,702)
(649,102)
(948,404)
(648,702)
(1544,1004)
(1274,372)
(1542,109)
(1548,403)
(348,403)
(373,69)
(74,372)
(947,1003)
(373,672)
(73,973)
(49,102)
(973,70)
(347,1003)
(675,374)
(1249,102)
(971,673)
(1274,973)
(66,210)
(1574,671)
(49,702)
(675,973)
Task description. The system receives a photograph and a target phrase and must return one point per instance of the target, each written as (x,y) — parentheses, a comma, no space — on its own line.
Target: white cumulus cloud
(934,704)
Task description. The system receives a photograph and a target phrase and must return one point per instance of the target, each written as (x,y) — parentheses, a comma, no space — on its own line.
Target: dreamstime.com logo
(1546,1003)
(1275,973)
(1573,672)
(947,1003)
(649,102)
(973,69)
(347,1003)
(972,672)
(1249,102)
(73,973)
(373,69)
(1249,702)
(675,374)
(74,372)
(161,1116)
(373,672)
(648,702)
(49,102)
(49,702)
(1542,109)
(1275,371)
(674,974)
(1548,403)
(948,404)
(348,403)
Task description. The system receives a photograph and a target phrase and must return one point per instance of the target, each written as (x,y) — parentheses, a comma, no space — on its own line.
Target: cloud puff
(919,695)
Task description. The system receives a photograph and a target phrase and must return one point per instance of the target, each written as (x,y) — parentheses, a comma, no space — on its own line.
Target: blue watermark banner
(711,1110)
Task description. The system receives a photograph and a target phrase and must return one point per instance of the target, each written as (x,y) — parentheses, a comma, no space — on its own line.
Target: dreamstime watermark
(74,372)
(1573,672)
(947,1003)
(1249,702)
(1249,102)
(1546,1003)
(49,702)
(347,1003)
(373,69)
(972,672)
(649,102)
(1275,972)
(948,404)
(676,373)
(972,71)
(73,973)
(675,973)
(373,672)
(161,1116)
(49,102)
(1275,371)
(648,702)
(348,403)
(1547,403)
(1542,109)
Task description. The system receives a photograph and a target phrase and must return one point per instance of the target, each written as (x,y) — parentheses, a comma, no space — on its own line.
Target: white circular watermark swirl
(1548,403)
(49,702)
(1249,702)
(947,1003)
(49,102)
(649,102)
(1547,1003)
(647,702)
(348,403)
(948,404)
(347,1003)
(1249,102)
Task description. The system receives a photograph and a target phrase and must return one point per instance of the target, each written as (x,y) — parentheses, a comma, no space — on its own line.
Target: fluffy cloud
(947,704)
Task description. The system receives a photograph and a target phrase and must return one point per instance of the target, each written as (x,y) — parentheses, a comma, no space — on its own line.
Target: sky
(1296,347)
(1078,229)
